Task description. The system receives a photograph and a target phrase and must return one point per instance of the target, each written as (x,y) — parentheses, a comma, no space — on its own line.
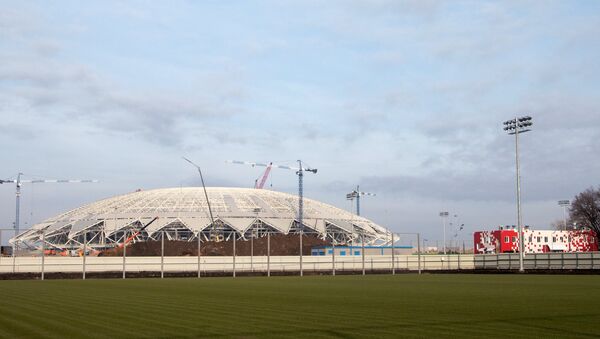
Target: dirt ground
(280,245)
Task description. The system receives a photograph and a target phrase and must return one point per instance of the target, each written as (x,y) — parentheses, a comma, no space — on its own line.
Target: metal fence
(539,261)
(40,260)
(239,253)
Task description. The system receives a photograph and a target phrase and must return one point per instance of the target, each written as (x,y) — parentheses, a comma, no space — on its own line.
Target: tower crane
(300,172)
(19,182)
(260,182)
(356,194)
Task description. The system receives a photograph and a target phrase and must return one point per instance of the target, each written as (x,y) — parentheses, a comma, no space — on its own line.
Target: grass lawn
(406,305)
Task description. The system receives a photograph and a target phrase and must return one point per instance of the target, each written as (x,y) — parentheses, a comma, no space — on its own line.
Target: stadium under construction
(184,215)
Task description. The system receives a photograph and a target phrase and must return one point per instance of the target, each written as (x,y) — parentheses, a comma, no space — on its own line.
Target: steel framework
(183,215)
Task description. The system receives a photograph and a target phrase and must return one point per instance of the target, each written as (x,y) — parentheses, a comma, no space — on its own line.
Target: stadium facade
(183,214)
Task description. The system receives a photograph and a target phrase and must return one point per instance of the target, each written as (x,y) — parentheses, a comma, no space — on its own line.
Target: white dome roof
(239,208)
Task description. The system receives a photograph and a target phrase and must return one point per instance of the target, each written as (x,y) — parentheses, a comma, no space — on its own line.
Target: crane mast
(299,171)
(356,194)
(20,182)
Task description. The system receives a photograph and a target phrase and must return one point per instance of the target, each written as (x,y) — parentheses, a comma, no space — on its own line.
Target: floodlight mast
(515,127)
(564,204)
(444,216)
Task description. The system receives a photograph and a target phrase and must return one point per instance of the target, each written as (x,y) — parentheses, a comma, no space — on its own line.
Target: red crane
(129,239)
(260,182)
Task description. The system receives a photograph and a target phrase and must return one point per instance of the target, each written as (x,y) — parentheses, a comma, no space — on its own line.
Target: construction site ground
(280,244)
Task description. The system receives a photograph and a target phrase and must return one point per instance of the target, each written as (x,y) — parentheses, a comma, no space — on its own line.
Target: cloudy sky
(404,98)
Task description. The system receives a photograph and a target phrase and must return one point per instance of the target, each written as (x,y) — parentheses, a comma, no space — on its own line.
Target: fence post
(459,260)
(199,252)
(13,257)
(562,260)
(332,257)
(84,250)
(268,253)
(252,250)
(124,253)
(301,272)
(162,254)
(234,236)
(393,256)
(419,251)
(362,241)
(577,260)
(43,250)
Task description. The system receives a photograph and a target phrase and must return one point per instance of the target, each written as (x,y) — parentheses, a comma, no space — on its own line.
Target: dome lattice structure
(183,214)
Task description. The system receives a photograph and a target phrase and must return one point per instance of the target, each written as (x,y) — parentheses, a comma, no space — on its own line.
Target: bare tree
(585,209)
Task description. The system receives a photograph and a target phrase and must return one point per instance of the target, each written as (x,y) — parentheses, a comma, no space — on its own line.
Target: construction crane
(212,220)
(356,194)
(259,183)
(136,233)
(19,182)
(299,171)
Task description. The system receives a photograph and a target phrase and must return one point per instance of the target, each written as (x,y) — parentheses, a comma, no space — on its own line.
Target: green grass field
(431,305)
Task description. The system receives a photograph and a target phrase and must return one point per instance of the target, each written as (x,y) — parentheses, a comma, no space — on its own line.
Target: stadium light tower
(564,204)
(515,127)
(444,216)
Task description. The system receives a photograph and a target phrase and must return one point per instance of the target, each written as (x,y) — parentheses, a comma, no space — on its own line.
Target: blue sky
(405,98)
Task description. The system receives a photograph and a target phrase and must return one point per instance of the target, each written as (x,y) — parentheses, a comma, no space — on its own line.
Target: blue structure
(357,250)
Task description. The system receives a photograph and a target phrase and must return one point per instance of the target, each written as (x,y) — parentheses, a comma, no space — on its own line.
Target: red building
(506,240)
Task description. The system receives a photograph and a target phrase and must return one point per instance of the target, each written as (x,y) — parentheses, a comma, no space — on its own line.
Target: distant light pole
(444,216)
(564,204)
(515,127)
